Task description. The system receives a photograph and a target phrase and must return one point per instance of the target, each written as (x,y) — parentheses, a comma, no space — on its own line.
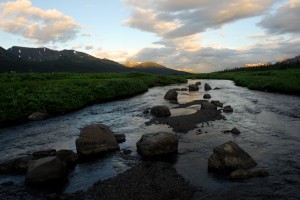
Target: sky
(191,35)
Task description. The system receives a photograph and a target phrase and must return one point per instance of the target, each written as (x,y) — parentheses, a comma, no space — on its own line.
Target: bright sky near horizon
(192,35)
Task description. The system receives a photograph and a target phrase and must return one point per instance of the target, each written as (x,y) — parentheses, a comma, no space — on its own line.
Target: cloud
(189,17)
(284,20)
(89,47)
(86,35)
(42,26)
(209,59)
(77,47)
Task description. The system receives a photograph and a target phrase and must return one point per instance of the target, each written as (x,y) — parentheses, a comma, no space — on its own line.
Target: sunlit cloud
(20,17)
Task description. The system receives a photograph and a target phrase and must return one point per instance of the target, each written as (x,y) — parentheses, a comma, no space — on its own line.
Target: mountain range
(24,59)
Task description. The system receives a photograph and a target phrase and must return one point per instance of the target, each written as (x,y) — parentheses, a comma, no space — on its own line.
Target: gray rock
(229,157)
(160,111)
(171,95)
(217,103)
(45,170)
(244,174)
(208,105)
(206,96)
(96,139)
(38,116)
(69,157)
(120,138)
(155,144)
(193,87)
(227,109)
(207,87)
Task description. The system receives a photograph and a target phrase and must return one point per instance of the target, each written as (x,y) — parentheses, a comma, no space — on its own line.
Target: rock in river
(45,170)
(207,87)
(171,95)
(16,165)
(244,174)
(96,139)
(206,96)
(160,111)
(120,138)
(208,105)
(155,144)
(227,109)
(217,103)
(193,87)
(69,157)
(229,157)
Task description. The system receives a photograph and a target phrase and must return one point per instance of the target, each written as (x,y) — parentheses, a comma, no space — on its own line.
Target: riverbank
(61,93)
(285,81)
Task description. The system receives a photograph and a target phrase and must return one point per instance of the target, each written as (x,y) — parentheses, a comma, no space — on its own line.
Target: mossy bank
(60,93)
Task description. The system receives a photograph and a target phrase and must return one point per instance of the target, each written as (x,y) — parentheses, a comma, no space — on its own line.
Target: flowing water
(269,125)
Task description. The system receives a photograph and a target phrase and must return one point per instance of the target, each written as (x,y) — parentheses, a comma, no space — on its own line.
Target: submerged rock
(155,144)
(227,109)
(46,170)
(160,111)
(38,116)
(171,95)
(120,138)
(96,139)
(193,87)
(235,131)
(229,157)
(244,174)
(207,87)
(208,105)
(206,96)
(16,165)
(217,103)
(69,157)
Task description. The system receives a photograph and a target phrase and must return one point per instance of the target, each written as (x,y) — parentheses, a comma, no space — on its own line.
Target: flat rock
(245,174)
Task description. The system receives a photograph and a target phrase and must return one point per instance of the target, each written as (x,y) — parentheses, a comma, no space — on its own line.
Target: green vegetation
(59,93)
(282,80)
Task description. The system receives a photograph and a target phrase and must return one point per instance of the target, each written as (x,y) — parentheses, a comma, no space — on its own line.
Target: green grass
(59,93)
(283,81)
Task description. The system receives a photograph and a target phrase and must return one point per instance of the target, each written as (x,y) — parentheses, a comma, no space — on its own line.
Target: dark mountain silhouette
(152,67)
(24,59)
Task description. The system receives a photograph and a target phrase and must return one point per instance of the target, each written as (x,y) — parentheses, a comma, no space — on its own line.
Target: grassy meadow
(282,80)
(59,93)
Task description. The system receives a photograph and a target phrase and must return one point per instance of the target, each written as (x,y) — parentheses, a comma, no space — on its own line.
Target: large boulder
(69,157)
(16,165)
(46,170)
(208,105)
(171,95)
(96,139)
(193,87)
(155,144)
(160,111)
(229,157)
(207,87)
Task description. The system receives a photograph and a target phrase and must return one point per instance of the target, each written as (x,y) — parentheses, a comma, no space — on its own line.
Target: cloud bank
(180,24)
(41,26)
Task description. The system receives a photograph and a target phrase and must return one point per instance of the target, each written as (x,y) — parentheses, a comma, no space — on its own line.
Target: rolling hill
(152,67)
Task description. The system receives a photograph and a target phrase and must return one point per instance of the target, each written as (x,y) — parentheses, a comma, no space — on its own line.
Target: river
(269,125)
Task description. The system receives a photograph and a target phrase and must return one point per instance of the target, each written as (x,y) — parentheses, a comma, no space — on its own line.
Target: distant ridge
(25,59)
(152,67)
